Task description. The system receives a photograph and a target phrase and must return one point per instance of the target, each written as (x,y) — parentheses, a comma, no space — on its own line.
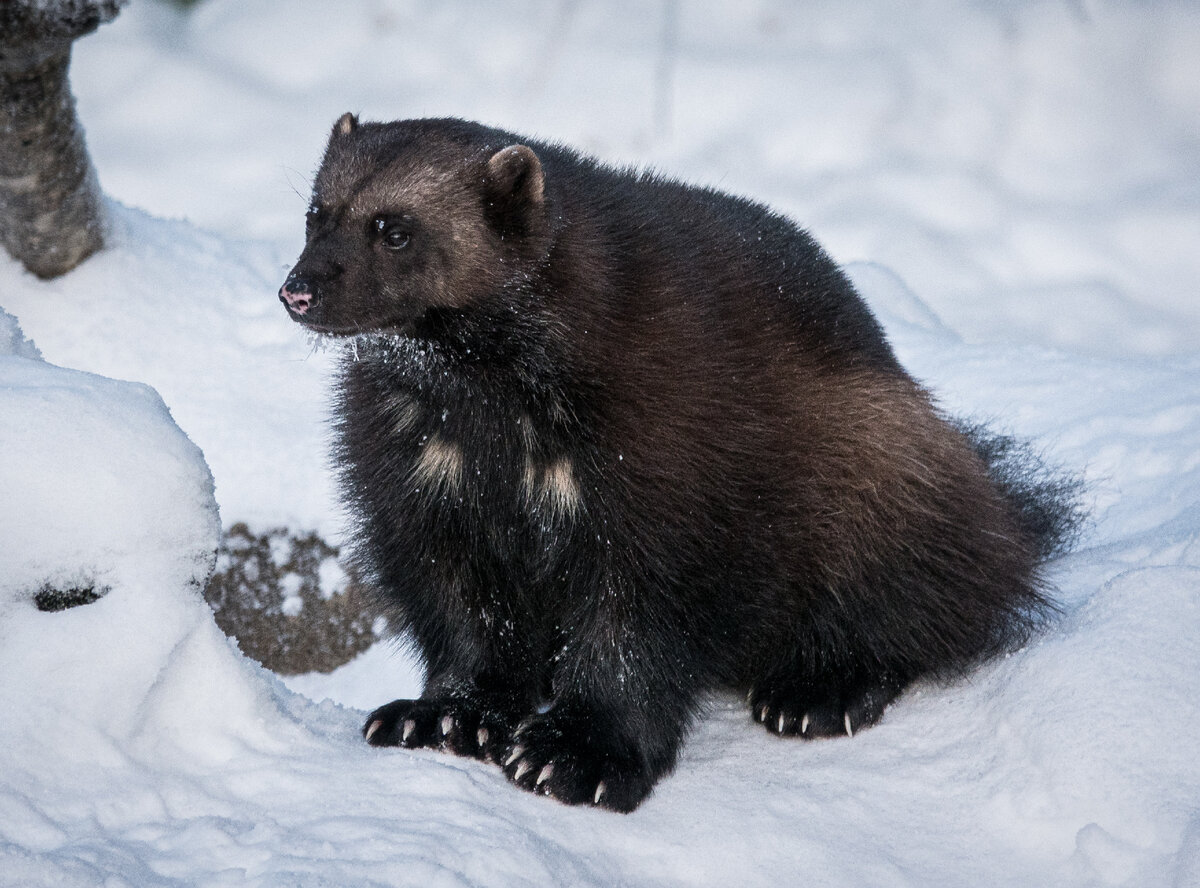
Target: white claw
(779,726)
(481,736)
(846,722)
(599,793)
(804,724)
(762,713)
(409,727)
(544,774)
(517,752)
(521,769)
(375,726)
(447,725)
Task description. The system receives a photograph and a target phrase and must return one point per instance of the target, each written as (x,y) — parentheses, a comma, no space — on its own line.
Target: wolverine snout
(297,295)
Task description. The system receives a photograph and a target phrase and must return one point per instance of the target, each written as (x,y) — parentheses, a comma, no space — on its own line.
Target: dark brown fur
(613,442)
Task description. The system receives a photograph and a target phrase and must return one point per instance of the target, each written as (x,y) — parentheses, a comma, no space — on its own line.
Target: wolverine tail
(1047,499)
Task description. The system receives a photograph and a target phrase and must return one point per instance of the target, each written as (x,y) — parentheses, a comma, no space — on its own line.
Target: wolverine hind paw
(788,711)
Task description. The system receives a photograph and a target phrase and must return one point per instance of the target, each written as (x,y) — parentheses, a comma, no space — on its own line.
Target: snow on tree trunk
(50,216)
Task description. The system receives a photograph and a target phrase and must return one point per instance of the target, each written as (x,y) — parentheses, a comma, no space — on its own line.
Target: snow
(1012,186)
(99,484)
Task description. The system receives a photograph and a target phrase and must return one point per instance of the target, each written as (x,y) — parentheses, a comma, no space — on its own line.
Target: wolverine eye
(311,218)
(393,234)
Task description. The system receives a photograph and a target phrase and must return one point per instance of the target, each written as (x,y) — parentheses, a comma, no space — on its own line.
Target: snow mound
(109,507)
(113,666)
(101,486)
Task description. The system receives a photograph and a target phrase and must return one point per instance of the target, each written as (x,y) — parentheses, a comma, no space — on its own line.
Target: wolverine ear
(345,124)
(515,175)
(514,187)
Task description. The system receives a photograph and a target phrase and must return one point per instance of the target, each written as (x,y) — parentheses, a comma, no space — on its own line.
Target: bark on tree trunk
(50,215)
(49,198)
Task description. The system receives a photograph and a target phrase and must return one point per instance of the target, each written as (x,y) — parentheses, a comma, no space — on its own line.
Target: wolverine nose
(297,295)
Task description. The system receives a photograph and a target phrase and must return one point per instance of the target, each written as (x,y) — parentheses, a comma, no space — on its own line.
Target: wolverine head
(413,216)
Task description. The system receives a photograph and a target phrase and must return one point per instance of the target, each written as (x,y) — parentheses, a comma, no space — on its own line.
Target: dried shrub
(288,602)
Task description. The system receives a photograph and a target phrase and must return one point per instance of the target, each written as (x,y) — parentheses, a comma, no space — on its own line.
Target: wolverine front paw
(455,725)
(570,759)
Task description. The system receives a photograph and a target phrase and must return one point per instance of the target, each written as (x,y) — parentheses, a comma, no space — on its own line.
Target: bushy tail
(1047,499)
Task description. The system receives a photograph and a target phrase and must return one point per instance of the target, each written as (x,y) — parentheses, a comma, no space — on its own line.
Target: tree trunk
(50,216)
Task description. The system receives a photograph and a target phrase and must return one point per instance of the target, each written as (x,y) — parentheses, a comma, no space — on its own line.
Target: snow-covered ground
(1016,190)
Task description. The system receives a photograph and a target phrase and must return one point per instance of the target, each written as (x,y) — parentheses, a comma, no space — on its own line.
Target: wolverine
(612,443)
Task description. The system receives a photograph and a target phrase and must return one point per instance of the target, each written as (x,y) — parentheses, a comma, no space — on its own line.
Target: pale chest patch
(439,466)
(552,487)
(548,488)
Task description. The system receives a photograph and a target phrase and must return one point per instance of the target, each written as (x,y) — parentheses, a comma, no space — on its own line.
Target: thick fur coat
(613,442)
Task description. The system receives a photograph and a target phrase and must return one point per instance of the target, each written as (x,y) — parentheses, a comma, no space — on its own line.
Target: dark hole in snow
(50,599)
